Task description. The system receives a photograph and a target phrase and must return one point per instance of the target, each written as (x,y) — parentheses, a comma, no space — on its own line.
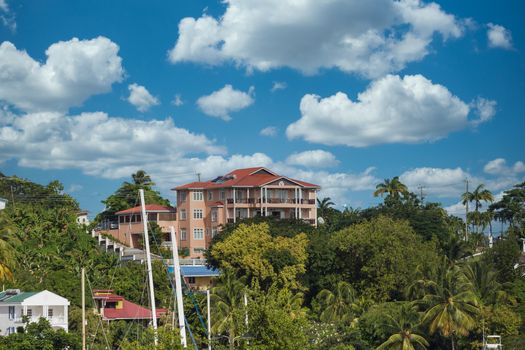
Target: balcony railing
(270,201)
(53,320)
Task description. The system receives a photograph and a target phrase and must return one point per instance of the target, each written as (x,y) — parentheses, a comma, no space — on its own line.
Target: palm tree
(227,298)
(451,306)
(7,252)
(394,188)
(142,178)
(323,205)
(480,194)
(404,337)
(337,306)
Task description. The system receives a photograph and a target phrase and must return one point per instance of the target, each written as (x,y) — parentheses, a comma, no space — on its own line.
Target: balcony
(53,320)
(271,201)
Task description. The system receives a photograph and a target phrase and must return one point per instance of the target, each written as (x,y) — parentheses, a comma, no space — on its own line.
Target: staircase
(124,252)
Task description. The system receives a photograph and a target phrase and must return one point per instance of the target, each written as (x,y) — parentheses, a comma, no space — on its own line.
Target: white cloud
(74,188)
(222,102)
(98,144)
(499,37)
(7,17)
(278,85)
(392,110)
(499,166)
(140,97)
(441,182)
(314,159)
(484,108)
(177,100)
(369,38)
(74,71)
(269,131)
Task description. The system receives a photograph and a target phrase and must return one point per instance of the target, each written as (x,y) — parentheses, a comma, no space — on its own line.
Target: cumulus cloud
(177,100)
(74,71)
(96,143)
(392,109)
(314,159)
(369,38)
(441,182)
(269,131)
(278,85)
(140,97)
(499,166)
(223,102)
(499,37)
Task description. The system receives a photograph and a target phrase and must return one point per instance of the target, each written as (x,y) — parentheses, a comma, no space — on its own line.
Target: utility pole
(209,317)
(83,287)
(199,177)
(420,188)
(148,261)
(466,211)
(178,286)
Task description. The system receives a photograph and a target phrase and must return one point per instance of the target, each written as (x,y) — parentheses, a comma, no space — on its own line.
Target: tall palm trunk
(452,341)
(231,339)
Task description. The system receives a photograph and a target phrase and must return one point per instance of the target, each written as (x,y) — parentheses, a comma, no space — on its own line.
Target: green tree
(227,303)
(338,306)
(451,306)
(380,257)
(511,208)
(480,194)
(394,189)
(40,336)
(405,335)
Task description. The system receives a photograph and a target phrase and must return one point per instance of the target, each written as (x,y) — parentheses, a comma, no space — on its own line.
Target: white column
(234,200)
(45,309)
(248,200)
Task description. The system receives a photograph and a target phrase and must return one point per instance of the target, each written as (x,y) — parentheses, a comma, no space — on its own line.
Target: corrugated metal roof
(17,298)
(196,271)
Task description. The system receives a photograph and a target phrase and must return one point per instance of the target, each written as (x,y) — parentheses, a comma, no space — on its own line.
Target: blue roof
(196,271)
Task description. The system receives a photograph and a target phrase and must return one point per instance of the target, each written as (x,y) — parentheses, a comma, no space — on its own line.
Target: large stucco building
(202,207)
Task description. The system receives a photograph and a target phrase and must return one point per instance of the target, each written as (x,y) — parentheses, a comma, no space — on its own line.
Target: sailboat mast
(178,287)
(148,262)
(83,287)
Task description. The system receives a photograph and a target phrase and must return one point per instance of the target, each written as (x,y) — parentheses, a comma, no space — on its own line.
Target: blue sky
(347,92)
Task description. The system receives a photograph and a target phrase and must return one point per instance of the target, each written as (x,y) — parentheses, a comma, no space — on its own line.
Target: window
(29,313)
(152,217)
(10,330)
(222,195)
(214,232)
(214,215)
(191,280)
(182,214)
(197,213)
(182,196)
(11,312)
(183,236)
(50,313)
(198,233)
(210,195)
(199,250)
(197,195)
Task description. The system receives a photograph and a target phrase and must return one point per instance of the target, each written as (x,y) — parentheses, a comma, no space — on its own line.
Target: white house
(14,305)
(3,203)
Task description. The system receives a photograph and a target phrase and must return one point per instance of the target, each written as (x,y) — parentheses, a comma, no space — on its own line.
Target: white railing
(53,320)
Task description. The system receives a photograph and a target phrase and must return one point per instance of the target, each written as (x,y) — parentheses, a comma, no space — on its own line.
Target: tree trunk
(231,340)
(452,342)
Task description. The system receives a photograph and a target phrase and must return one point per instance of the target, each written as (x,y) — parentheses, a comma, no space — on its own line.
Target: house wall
(8,324)
(247,204)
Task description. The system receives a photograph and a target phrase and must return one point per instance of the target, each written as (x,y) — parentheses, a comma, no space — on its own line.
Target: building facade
(17,307)
(129,229)
(203,207)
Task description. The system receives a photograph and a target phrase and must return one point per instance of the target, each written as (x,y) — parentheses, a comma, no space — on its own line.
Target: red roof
(248,177)
(130,311)
(149,209)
